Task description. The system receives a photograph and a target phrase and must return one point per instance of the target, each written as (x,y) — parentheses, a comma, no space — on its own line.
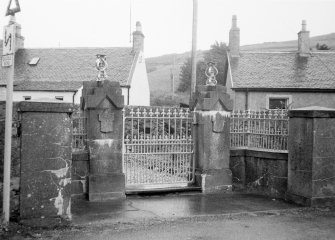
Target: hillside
(328,39)
(160,68)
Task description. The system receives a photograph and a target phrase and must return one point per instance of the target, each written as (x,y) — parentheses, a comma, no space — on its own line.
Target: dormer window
(34,61)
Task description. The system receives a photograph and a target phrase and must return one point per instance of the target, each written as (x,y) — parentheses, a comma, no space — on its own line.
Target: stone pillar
(212,106)
(103,104)
(311,164)
(46,136)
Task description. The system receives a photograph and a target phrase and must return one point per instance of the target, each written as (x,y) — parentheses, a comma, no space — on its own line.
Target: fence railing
(78,131)
(158,146)
(262,130)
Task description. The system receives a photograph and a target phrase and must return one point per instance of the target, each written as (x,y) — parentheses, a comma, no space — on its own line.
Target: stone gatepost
(46,136)
(311,163)
(103,104)
(212,107)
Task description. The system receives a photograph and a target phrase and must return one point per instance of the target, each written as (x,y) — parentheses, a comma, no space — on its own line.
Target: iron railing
(158,146)
(78,131)
(261,130)
(144,132)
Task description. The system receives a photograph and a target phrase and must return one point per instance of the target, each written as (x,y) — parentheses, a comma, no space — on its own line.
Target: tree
(186,74)
(216,54)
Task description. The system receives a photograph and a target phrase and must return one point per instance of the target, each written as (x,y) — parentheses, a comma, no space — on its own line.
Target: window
(278,101)
(27,98)
(59,98)
(34,61)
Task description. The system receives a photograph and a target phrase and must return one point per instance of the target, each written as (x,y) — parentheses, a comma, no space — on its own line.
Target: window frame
(275,96)
(60,98)
(26,98)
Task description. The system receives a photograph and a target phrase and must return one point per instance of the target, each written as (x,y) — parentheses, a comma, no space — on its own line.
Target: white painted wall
(139,90)
(125,95)
(18,96)
(77,95)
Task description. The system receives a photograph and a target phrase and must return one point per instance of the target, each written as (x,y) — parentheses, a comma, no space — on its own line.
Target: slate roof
(48,86)
(283,70)
(66,68)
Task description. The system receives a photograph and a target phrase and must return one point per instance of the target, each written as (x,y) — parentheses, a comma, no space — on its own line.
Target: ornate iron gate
(157,147)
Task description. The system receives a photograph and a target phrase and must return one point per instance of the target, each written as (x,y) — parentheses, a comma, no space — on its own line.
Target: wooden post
(194,46)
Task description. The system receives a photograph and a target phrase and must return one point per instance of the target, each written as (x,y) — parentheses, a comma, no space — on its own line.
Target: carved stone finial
(211,72)
(101,65)
(12,11)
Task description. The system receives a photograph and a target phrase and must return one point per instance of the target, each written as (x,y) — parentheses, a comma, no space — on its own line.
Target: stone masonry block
(112,165)
(106,187)
(311,156)
(215,181)
(45,161)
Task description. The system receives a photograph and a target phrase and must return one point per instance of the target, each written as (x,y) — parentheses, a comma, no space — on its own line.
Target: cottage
(56,74)
(278,80)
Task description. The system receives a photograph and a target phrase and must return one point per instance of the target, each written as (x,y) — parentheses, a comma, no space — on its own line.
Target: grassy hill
(160,68)
(328,39)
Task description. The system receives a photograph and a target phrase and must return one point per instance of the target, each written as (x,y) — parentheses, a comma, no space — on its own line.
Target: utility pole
(194,47)
(172,76)
(8,57)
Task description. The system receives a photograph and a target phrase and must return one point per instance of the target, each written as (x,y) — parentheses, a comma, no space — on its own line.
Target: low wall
(259,172)
(80,172)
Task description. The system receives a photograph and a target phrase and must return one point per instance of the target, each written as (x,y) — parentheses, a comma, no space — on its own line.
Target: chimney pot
(303,25)
(138,26)
(234,38)
(303,41)
(138,38)
(234,21)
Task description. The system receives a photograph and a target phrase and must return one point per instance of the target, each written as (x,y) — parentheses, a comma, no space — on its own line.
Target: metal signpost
(8,57)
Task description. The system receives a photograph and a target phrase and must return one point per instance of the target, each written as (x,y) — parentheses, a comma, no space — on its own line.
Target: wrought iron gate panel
(157,147)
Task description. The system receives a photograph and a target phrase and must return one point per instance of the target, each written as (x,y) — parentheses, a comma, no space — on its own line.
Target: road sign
(7,60)
(12,11)
(8,45)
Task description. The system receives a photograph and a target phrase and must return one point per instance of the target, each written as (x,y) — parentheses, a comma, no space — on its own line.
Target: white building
(56,74)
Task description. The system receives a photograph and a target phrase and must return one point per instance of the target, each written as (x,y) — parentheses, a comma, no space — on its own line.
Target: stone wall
(80,173)
(259,172)
(311,165)
(15,169)
(46,136)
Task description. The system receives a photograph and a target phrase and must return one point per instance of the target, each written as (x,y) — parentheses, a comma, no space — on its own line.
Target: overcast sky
(167,24)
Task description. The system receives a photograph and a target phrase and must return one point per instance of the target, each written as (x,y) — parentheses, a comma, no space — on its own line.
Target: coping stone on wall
(312,112)
(45,107)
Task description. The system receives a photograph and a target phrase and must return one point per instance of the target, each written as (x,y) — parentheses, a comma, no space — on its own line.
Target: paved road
(290,224)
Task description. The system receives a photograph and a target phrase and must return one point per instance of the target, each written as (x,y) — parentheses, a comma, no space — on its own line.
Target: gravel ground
(304,224)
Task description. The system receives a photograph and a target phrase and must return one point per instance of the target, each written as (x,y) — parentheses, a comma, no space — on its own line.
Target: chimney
(234,38)
(303,41)
(138,38)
